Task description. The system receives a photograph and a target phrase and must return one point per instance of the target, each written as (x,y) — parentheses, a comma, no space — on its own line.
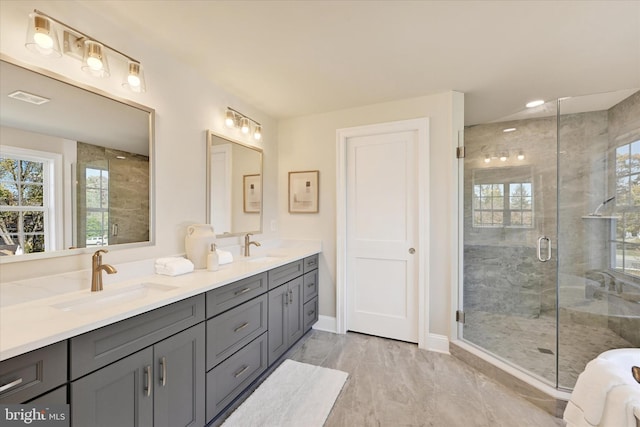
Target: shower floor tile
(518,340)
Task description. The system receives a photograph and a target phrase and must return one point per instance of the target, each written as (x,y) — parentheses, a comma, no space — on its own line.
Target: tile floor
(395,384)
(527,342)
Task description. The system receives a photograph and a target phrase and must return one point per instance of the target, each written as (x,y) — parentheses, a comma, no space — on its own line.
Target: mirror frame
(152,166)
(210,135)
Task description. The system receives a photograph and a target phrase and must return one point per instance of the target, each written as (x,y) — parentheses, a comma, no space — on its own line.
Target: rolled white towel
(173,266)
(224,257)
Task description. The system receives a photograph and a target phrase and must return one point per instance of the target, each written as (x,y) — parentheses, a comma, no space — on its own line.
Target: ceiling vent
(28,97)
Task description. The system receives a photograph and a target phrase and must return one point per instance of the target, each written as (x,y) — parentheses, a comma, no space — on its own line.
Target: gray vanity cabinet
(29,375)
(162,385)
(117,395)
(286,322)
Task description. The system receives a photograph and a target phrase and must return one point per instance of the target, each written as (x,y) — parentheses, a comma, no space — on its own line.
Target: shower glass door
(510,223)
(599,229)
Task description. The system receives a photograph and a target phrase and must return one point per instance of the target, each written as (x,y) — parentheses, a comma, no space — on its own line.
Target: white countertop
(30,323)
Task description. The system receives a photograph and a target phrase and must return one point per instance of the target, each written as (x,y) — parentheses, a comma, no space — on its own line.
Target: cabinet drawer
(227,380)
(310,263)
(26,376)
(310,285)
(235,328)
(228,296)
(283,274)
(103,346)
(310,313)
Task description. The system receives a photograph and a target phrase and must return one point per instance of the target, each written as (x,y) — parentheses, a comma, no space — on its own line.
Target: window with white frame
(502,197)
(97,199)
(626,243)
(27,185)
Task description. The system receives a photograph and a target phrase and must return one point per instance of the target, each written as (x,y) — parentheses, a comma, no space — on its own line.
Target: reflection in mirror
(75,167)
(234,186)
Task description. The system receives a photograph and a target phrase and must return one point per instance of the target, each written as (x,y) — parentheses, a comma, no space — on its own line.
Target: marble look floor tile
(393,384)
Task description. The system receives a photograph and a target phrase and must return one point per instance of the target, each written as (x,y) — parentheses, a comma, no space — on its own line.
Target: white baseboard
(327,324)
(438,343)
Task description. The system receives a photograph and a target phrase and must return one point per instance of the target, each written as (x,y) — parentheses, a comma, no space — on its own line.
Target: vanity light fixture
(42,38)
(487,158)
(520,155)
(234,118)
(504,157)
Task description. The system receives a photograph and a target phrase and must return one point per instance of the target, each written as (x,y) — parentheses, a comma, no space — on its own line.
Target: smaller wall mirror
(234,186)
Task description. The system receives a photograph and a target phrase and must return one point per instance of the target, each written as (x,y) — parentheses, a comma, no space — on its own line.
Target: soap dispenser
(212,259)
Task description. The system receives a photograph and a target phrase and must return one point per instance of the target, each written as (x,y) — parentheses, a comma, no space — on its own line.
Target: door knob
(412,251)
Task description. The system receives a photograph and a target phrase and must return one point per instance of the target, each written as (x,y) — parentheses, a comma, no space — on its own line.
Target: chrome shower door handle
(539,251)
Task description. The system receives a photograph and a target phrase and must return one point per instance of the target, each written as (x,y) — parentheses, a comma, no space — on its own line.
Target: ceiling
(293,58)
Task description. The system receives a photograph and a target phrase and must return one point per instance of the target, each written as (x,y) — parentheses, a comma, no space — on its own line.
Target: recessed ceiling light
(28,97)
(536,103)
(508,130)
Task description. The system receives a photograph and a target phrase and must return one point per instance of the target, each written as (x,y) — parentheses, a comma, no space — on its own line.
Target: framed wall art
(303,192)
(252,193)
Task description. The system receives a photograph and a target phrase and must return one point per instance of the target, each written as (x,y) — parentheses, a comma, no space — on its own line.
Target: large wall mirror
(234,186)
(75,167)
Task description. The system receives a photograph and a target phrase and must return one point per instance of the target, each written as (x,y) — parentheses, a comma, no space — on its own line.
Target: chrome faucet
(96,270)
(248,243)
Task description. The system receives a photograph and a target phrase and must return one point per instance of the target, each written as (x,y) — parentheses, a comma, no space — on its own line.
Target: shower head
(597,211)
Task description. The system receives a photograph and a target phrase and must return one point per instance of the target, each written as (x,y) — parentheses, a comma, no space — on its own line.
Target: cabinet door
(295,316)
(278,299)
(120,394)
(179,383)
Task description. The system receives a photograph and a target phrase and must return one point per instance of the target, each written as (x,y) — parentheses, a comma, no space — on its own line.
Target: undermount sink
(113,297)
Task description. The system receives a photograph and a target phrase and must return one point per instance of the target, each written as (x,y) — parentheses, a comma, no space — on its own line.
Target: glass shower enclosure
(551,234)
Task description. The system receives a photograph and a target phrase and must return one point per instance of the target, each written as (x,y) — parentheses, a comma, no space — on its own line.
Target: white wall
(309,143)
(186,105)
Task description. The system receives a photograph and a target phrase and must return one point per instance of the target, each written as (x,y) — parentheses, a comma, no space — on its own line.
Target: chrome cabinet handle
(311,312)
(241,327)
(10,385)
(241,371)
(539,251)
(147,381)
(290,296)
(286,299)
(242,291)
(163,371)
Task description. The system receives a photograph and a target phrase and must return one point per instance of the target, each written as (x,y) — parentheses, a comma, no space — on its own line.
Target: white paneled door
(381,234)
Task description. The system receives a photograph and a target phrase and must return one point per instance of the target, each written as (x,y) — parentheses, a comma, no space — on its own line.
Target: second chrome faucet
(247,244)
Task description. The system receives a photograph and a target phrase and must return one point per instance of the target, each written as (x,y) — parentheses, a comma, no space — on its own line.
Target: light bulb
(244,125)
(503,158)
(133,78)
(229,120)
(257,134)
(520,156)
(487,159)
(42,39)
(94,63)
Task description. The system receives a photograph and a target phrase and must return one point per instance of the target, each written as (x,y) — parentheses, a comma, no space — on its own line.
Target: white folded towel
(173,266)
(593,385)
(622,400)
(224,257)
